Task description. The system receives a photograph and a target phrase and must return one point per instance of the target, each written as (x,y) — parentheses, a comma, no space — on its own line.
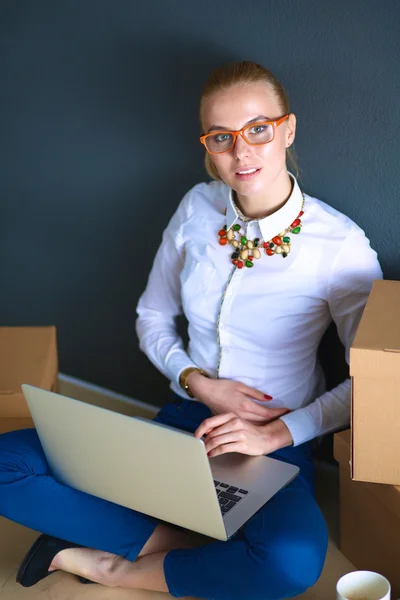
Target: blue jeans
(278,553)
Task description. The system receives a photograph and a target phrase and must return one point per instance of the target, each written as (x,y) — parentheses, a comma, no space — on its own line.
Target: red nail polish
(267,397)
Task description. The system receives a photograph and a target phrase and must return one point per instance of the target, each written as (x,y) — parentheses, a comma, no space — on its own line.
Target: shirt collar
(278,221)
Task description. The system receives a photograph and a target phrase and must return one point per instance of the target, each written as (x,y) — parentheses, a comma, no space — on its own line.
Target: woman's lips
(247,174)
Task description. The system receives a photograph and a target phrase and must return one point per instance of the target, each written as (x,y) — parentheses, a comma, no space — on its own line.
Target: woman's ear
(290,130)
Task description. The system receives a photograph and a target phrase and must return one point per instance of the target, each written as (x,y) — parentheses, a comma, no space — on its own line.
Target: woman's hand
(228,433)
(225,395)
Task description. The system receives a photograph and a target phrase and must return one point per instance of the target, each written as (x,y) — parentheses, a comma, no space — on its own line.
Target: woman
(260,269)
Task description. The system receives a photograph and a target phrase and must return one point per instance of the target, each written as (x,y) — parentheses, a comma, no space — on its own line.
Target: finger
(234,447)
(252,418)
(233,425)
(265,411)
(208,424)
(222,443)
(256,394)
(253,408)
(226,448)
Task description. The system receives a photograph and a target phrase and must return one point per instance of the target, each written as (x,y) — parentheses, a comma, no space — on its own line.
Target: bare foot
(110,569)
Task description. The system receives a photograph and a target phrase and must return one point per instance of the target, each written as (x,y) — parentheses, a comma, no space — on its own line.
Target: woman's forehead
(238,104)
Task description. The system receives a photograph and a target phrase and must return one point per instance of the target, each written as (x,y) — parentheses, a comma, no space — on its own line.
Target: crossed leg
(146,572)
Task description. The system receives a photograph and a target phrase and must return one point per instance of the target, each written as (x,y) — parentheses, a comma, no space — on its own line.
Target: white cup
(363,585)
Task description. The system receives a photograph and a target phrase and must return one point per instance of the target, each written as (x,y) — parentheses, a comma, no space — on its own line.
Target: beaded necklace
(245,251)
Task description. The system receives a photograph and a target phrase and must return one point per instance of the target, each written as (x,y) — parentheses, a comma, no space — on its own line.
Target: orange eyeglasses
(255,134)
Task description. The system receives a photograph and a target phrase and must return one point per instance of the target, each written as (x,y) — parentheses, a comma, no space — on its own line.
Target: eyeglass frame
(235,134)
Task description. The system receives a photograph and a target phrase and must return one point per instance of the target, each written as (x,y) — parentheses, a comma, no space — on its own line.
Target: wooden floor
(15,540)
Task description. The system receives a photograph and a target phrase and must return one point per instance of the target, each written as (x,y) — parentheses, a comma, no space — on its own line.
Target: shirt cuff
(301,426)
(176,363)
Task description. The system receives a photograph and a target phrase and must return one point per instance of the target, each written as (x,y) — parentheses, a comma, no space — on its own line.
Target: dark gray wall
(98,109)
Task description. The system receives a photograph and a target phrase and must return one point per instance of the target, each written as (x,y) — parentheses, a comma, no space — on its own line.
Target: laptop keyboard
(228,495)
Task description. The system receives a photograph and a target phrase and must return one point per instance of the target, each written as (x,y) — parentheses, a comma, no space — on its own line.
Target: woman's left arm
(352,274)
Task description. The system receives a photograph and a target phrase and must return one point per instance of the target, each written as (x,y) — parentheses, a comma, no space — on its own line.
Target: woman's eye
(257,129)
(222,137)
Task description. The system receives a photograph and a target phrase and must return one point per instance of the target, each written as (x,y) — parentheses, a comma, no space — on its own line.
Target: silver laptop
(152,468)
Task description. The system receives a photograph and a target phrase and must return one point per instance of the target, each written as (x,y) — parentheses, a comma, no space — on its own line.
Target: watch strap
(183,377)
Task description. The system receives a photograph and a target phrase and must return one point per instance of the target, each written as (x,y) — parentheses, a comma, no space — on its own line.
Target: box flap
(375,351)
(25,354)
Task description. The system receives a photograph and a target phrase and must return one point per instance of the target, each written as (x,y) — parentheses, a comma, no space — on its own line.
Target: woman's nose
(241,148)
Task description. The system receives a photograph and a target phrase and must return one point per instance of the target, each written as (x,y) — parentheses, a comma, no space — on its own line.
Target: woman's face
(232,110)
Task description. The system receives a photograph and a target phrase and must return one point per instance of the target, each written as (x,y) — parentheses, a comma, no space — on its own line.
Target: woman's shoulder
(329,218)
(203,201)
(205,195)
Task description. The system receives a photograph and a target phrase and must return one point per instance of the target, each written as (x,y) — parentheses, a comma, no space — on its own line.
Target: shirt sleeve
(160,303)
(353,272)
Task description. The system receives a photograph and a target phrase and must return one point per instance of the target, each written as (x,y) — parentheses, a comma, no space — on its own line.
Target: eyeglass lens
(255,134)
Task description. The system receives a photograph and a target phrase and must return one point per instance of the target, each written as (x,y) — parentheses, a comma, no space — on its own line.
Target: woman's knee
(286,545)
(288,570)
(21,454)
(303,561)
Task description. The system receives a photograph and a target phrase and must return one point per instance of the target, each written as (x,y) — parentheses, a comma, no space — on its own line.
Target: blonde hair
(243,73)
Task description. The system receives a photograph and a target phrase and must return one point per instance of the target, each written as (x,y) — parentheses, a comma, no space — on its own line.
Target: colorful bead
(245,250)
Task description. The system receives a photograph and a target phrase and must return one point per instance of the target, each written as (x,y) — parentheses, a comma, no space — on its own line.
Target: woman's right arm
(160,303)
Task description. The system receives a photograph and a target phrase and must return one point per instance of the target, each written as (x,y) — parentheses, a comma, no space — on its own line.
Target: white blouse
(260,325)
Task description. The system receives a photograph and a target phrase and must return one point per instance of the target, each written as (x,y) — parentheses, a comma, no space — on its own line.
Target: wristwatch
(183,377)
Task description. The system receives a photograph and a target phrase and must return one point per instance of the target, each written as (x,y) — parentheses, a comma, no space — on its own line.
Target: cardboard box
(13,424)
(369,520)
(27,355)
(375,375)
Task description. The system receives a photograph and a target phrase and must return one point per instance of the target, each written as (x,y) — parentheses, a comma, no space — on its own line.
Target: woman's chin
(248,188)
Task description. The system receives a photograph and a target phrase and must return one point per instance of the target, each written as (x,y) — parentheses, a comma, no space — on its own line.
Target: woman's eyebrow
(221,128)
